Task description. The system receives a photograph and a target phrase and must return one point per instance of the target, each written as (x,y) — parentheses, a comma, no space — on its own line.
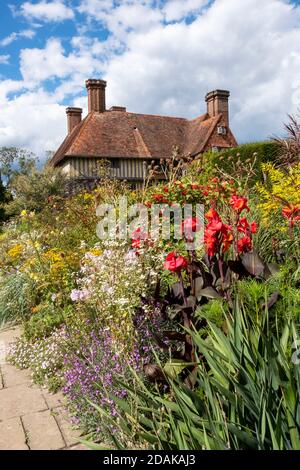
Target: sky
(157,56)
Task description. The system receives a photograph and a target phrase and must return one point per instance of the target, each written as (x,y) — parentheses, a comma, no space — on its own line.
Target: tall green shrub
(246,393)
(261,152)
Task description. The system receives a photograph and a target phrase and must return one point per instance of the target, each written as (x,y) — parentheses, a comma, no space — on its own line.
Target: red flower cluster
(292,213)
(218,236)
(244,244)
(243,226)
(239,203)
(160,198)
(175,263)
(189,192)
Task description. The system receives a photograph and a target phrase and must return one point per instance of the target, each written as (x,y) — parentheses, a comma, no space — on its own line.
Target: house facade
(130,141)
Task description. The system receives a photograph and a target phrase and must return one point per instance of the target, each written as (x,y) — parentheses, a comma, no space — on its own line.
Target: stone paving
(30,417)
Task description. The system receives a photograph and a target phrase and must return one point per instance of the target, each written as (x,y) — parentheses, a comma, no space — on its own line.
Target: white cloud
(169,68)
(38,65)
(4,59)
(7,87)
(96,9)
(45,10)
(27,33)
(123,16)
(251,48)
(175,10)
(43,131)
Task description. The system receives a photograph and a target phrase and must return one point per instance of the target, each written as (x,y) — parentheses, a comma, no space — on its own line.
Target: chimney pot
(96,95)
(73,118)
(217,103)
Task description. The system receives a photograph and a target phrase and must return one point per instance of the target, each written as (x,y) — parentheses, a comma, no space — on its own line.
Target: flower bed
(122,324)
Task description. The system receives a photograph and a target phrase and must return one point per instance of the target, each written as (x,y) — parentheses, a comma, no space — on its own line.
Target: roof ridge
(157,115)
(202,116)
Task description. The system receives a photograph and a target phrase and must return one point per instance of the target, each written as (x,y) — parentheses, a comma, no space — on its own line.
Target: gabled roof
(121,134)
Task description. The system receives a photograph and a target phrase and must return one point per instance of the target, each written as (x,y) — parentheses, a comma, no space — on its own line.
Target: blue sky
(158,56)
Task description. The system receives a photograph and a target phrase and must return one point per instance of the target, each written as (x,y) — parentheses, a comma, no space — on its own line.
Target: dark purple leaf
(253,263)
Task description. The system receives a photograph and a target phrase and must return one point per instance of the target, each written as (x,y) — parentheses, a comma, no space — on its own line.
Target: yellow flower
(24,213)
(15,251)
(96,252)
(283,189)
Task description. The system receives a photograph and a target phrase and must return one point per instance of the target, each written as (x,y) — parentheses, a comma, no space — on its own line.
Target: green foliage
(213,311)
(45,319)
(238,159)
(17,294)
(15,161)
(34,190)
(246,393)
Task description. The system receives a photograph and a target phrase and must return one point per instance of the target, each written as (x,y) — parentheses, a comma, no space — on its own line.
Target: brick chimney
(96,95)
(73,118)
(217,103)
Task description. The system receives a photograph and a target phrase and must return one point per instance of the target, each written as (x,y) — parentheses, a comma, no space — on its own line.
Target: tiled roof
(127,135)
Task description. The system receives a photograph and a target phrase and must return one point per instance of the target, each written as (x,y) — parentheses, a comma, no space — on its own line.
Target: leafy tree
(15,161)
(32,191)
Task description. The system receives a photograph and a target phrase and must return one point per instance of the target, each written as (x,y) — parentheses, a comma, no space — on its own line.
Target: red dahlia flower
(239,203)
(175,263)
